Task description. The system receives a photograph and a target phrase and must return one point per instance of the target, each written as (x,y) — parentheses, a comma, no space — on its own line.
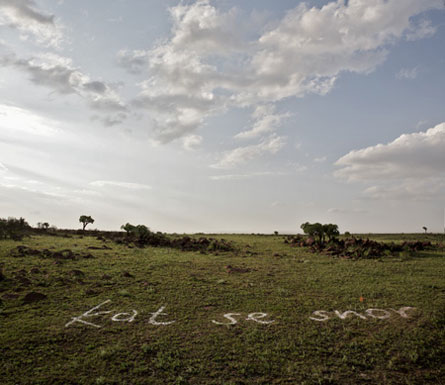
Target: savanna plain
(254,309)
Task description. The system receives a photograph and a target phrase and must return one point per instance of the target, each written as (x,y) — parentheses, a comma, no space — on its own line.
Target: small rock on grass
(106,276)
(77,273)
(34,296)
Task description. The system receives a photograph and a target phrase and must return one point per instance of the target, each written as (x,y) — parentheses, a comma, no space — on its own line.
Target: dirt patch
(34,297)
(65,254)
(230,269)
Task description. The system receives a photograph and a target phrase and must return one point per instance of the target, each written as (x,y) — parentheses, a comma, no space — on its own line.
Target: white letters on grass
(89,313)
(255,317)
(153,321)
(230,318)
(322,315)
(118,317)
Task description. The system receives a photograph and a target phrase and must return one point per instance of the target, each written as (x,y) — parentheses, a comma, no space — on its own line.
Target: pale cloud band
(119,184)
(241,155)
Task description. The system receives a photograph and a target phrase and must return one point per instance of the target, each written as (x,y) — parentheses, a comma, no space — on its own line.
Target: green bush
(13,228)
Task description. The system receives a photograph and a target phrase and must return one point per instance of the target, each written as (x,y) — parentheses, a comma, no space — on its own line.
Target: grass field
(265,276)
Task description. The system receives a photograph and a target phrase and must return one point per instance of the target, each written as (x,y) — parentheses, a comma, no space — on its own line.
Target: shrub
(14,228)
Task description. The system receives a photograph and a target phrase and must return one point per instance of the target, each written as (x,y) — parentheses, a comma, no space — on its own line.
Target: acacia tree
(128,227)
(138,231)
(314,230)
(317,230)
(85,220)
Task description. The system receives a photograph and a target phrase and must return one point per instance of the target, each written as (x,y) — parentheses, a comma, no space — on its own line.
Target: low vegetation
(13,228)
(358,248)
(335,320)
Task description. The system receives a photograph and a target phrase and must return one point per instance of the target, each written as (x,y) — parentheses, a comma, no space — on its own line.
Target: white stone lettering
(229,316)
(384,313)
(256,317)
(153,321)
(347,313)
(320,313)
(402,311)
(117,317)
(90,313)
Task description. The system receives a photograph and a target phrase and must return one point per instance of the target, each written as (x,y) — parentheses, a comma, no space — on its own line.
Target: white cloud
(118,184)
(409,166)
(320,159)
(206,67)
(420,154)
(422,30)
(407,73)
(58,73)
(240,155)
(265,122)
(30,21)
(202,28)
(192,142)
(3,168)
(181,90)
(310,47)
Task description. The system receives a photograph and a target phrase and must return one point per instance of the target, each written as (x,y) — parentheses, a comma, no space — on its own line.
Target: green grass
(286,283)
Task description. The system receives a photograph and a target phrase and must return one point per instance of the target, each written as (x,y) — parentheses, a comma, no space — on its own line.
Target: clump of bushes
(13,228)
(356,248)
(324,239)
(140,235)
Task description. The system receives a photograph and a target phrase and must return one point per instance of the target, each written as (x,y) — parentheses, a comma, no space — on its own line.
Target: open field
(41,343)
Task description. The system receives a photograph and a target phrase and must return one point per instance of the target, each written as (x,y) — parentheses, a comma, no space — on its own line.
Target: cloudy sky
(224,115)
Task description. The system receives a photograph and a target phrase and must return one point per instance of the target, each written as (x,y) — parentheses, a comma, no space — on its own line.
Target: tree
(128,227)
(314,230)
(139,231)
(425,228)
(317,230)
(43,226)
(331,231)
(85,220)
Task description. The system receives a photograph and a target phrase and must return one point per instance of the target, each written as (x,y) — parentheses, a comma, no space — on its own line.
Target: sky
(224,116)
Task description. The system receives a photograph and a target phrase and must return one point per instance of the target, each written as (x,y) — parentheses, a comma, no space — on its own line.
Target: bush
(13,228)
